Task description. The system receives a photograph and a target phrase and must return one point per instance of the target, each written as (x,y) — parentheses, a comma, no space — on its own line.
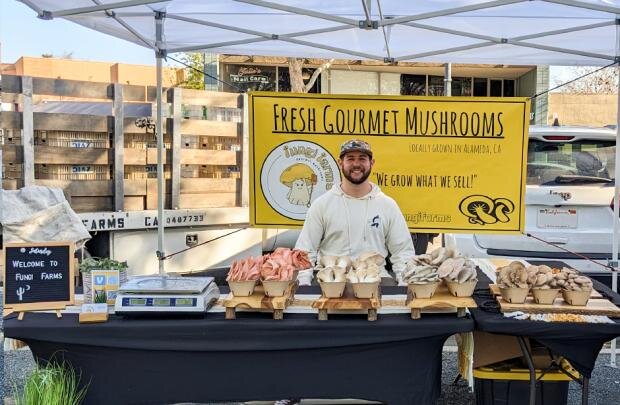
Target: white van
(569,193)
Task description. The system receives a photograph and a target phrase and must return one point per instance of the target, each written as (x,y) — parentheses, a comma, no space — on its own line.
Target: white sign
(81,144)
(557,218)
(82,169)
(110,221)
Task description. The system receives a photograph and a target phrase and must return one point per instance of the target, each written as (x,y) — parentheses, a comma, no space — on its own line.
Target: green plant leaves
(98,263)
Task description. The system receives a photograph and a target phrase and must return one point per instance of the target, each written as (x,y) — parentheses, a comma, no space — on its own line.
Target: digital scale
(153,295)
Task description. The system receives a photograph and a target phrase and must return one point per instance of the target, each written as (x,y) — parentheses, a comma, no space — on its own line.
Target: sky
(23,34)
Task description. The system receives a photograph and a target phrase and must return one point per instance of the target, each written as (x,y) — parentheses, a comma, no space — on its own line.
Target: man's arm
(399,243)
(309,240)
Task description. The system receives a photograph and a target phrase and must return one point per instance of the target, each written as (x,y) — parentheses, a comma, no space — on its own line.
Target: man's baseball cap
(355,145)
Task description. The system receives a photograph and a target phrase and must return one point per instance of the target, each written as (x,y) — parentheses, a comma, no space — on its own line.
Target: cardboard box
(540,357)
(490,348)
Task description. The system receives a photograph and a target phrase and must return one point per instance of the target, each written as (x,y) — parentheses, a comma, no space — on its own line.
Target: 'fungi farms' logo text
(294,174)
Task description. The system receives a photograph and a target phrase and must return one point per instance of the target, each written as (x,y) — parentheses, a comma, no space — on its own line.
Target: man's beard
(347,175)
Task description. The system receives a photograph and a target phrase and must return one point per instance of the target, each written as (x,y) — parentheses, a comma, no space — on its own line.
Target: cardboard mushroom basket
(513,282)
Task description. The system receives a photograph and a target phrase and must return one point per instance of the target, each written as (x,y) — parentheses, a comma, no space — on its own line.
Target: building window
(413,85)
(461,86)
(284,79)
(509,88)
(496,88)
(480,87)
(435,86)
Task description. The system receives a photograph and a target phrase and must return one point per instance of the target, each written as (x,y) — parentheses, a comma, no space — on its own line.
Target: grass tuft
(54,384)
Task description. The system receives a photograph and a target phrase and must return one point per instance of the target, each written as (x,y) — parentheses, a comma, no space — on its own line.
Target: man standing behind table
(356,217)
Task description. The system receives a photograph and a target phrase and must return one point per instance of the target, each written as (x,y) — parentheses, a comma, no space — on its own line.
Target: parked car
(568,200)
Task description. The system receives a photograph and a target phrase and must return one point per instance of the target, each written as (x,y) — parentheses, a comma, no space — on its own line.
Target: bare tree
(605,81)
(295,66)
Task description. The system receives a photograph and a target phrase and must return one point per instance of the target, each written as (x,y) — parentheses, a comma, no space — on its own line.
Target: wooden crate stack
(12,168)
(209,153)
(77,152)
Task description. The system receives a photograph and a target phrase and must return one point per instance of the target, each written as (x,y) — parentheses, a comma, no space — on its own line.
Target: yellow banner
(453,164)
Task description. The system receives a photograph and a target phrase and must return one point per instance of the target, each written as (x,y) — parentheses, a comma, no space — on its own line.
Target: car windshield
(589,158)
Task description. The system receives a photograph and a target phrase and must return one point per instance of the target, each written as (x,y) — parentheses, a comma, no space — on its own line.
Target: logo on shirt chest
(374,223)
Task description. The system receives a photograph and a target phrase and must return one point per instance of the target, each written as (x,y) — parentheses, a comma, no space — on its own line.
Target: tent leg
(614,247)
(161,186)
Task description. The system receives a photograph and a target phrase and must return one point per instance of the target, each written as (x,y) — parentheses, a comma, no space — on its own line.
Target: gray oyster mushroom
(416,274)
(420,273)
(458,270)
(544,277)
(514,275)
(438,264)
(440,254)
(576,282)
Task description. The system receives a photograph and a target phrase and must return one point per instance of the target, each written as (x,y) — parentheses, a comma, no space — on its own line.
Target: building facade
(243,73)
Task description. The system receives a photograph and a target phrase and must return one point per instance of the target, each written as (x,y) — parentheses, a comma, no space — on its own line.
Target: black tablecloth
(396,360)
(580,343)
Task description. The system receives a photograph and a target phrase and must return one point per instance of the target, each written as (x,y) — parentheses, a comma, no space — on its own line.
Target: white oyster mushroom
(328,261)
(371,279)
(352,277)
(339,274)
(344,261)
(325,275)
(371,257)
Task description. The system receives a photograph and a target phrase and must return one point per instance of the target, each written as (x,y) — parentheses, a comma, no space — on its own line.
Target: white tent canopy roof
(548,32)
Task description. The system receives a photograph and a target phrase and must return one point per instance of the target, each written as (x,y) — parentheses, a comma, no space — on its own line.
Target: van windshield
(548,160)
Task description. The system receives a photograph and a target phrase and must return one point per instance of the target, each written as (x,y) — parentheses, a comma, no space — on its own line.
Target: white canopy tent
(558,32)
(526,32)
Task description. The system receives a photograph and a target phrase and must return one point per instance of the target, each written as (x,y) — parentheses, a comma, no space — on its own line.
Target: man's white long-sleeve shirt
(340,225)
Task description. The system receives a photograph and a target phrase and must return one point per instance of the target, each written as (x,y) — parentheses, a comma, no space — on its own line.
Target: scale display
(159,302)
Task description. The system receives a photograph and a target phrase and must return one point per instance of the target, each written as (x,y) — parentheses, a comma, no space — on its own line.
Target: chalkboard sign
(38,275)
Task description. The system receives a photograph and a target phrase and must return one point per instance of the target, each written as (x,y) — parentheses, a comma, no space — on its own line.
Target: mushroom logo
(300,179)
(292,175)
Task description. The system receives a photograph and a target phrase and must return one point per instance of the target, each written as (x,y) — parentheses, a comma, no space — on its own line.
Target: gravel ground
(604,386)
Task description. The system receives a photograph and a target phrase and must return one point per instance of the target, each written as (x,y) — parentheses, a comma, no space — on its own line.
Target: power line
(573,80)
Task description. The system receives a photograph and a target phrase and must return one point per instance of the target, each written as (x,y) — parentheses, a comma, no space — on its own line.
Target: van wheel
(420,242)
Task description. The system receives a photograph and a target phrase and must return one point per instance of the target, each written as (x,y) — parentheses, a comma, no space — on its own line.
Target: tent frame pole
(161,186)
(99,7)
(616,219)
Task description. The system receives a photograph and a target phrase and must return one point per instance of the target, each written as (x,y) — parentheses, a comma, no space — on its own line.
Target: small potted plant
(97,263)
